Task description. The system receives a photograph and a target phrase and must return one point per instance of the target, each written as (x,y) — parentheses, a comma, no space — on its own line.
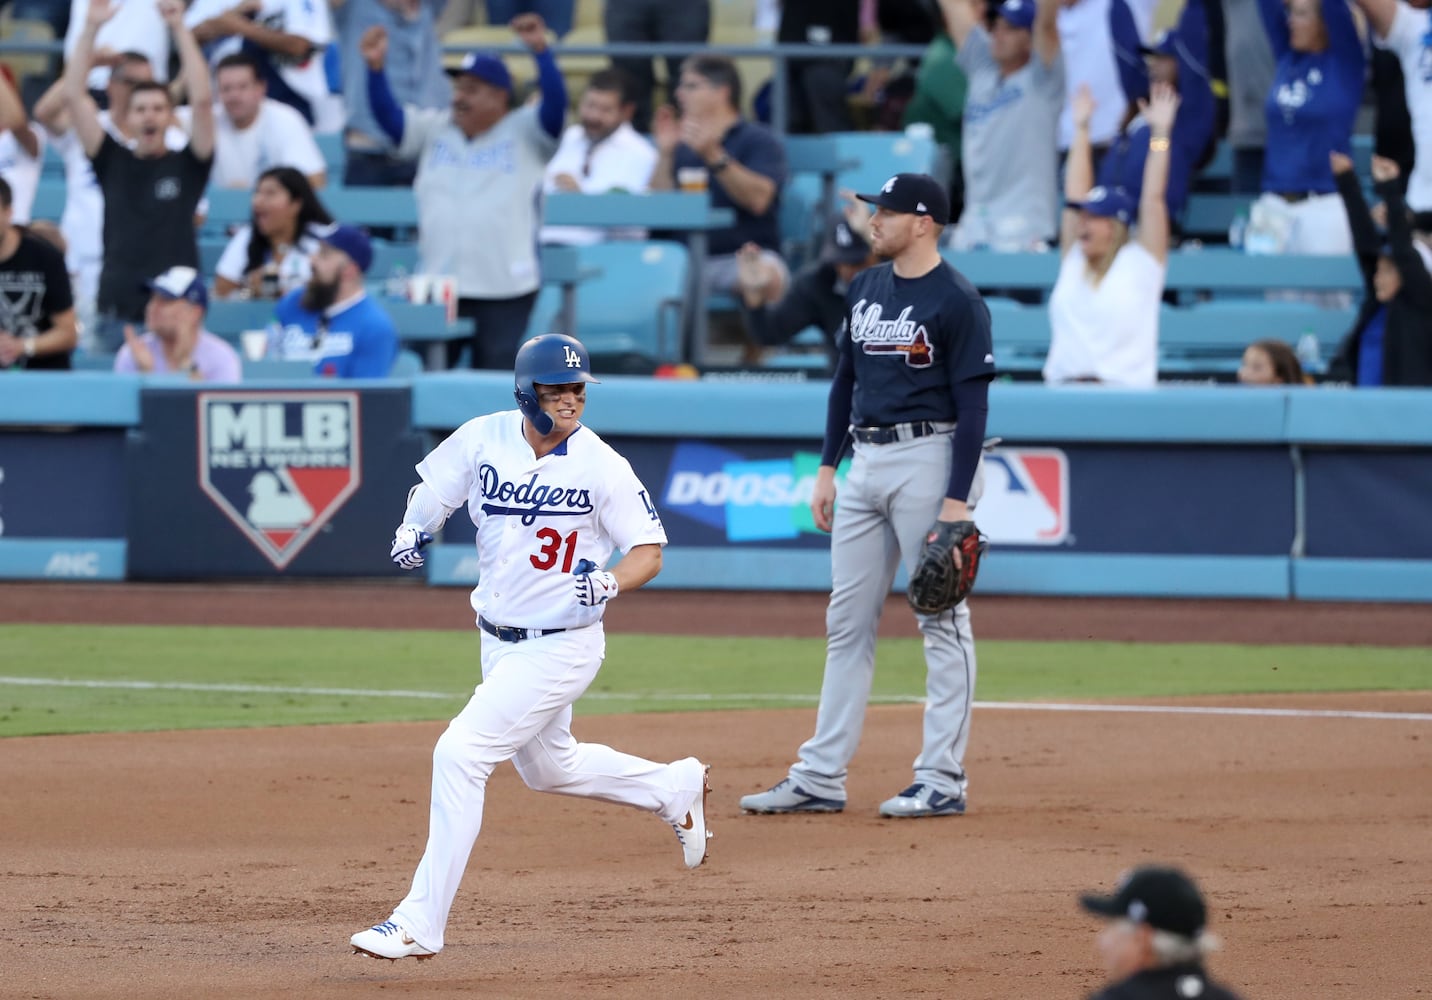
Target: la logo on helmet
(573,359)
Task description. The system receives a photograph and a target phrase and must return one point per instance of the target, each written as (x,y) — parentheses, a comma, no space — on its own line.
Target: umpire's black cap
(914,194)
(1164,898)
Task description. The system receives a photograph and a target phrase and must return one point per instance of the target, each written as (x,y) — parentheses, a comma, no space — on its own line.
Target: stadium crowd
(1052,119)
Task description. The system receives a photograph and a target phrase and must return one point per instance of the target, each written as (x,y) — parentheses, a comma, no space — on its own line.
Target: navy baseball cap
(1110,203)
(180,283)
(1017,13)
(351,240)
(845,245)
(486,67)
(1163,898)
(1166,44)
(1172,45)
(913,194)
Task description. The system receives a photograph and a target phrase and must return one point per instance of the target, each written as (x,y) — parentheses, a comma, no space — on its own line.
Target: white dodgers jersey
(537,518)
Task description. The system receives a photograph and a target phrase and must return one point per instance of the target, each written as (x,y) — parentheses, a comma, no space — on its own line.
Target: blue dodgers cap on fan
(486,67)
(912,194)
(351,240)
(1017,13)
(1110,203)
(180,283)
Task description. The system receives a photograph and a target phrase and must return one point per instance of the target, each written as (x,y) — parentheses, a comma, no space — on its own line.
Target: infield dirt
(228,864)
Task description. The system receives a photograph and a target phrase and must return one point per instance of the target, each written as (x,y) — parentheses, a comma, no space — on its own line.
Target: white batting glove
(408,545)
(595,588)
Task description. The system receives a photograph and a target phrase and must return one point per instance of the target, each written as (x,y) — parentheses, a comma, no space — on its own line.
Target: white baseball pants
(523,711)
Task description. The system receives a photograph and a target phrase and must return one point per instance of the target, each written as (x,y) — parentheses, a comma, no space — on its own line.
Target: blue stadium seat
(273,368)
(862,161)
(1207,336)
(634,308)
(406,365)
(388,256)
(1224,327)
(880,154)
(546,313)
(330,144)
(82,360)
(211,248)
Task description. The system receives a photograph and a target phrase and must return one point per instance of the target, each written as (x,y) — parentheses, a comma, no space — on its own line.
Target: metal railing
(780,56)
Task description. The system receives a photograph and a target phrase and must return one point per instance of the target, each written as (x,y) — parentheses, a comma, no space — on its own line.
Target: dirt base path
(235,864)
(409,604)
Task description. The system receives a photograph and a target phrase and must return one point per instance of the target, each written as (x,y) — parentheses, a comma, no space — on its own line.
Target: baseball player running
(550,500)
(911,389)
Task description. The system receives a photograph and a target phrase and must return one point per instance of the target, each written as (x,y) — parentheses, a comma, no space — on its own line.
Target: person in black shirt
(911,389)
(817,95)
(816,297)
(1155,942)
(740,163)
(37,314)
(150,192)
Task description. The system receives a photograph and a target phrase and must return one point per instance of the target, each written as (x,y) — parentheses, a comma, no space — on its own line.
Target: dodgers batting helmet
(551,359)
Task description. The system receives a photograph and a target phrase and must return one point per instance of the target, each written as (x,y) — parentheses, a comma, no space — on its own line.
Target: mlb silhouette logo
(279,465)
(1026,496)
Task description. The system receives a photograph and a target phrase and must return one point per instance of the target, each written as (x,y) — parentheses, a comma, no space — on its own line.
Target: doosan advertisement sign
(760,494)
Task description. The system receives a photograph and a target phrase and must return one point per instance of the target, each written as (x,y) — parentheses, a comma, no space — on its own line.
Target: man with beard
(151,192)
(601,152)
(480,167)
(331,321)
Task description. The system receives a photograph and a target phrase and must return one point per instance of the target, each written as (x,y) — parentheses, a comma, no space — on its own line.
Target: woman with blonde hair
(1104,311)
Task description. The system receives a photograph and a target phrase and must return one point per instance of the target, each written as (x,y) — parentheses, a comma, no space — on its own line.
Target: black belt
(898,432)
(1293,197)
(510,633)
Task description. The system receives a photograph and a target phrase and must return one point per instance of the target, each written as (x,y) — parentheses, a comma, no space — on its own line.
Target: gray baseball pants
(886,505)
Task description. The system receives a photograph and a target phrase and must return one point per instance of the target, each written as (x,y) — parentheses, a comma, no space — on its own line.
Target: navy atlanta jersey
(910,341)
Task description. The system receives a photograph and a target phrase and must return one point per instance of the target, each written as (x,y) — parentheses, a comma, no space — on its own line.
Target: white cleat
(388,940)
(692,831)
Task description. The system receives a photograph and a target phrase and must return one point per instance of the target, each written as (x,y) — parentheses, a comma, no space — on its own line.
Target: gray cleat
(788,797)
(921,800)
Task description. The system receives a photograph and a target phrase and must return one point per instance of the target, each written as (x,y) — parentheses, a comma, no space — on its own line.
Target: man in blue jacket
(331,320)
(1179,57)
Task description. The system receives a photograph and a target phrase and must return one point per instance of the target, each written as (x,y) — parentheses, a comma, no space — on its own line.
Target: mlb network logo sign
(279,464)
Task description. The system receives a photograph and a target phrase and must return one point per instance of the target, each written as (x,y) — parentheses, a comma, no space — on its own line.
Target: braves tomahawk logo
(279,464)
(898,336)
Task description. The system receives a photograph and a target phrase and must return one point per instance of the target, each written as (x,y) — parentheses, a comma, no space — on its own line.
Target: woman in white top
(1104,312)
(269,257)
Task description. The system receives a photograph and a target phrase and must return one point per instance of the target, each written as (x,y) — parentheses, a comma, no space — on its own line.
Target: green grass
(325,675)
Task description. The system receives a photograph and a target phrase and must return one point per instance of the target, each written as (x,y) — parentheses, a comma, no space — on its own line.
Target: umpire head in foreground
(1156,939)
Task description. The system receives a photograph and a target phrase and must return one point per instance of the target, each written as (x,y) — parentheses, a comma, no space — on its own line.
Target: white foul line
(706,697)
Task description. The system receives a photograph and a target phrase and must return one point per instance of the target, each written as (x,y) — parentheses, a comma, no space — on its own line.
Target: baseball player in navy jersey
(551,501)
(910,393)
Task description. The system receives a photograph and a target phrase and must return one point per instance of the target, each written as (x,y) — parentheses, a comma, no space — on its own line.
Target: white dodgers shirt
(537,518)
